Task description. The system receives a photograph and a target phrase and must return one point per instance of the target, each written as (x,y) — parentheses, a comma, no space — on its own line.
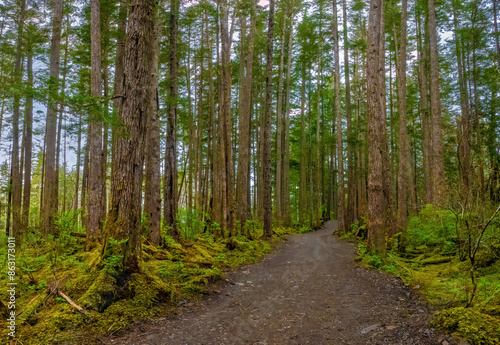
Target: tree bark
(266,154)
(50,185)
(287,221)
(279,130)
(404,173)
(28,144)
(152,199)
(303,158)
(124,217)
(438,177)
(17,226)
(170,179)
(342,226)
(377,141)
(245,121)
(95,131)
(351,175)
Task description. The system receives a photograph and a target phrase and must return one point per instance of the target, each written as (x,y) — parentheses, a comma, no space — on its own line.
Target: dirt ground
(309,291)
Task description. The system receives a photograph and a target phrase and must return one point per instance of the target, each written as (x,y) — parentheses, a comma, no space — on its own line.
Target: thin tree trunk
(50,185)
(266,154)
(404,173)
(342,226)
(95,131)
(152,198)
(302,180)
(351,182)
(279,130)
(464,125)
(170,179)
(78,163)
(29,144)
(245,121)
(438,177)
(17,228)
(287,221)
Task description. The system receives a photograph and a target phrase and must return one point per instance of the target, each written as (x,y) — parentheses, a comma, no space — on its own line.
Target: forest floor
(308,291)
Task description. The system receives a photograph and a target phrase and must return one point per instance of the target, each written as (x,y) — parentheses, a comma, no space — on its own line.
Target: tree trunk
(245,122)
(279,130)
(404,173)
(95,131)
(438,177)
(50,185)
(170,179)
(266,154)
(78,163)
(124,217)
(302,180)
(422,44)
(464,125)
(351,176)
(342,226)
(287,221)
(17,228)
(152,199)
(28,144)
(376,128)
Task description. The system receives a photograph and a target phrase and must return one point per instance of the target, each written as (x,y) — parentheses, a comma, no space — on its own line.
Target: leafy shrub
(432,227)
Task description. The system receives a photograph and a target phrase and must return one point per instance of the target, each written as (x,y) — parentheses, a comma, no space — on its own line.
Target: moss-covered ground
(431,264)
(111,301)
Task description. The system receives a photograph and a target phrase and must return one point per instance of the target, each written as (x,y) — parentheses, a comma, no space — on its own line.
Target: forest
(149,147)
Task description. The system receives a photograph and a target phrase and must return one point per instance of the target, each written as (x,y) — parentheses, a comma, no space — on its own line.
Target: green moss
(111,300)
(469,323)
(100,294)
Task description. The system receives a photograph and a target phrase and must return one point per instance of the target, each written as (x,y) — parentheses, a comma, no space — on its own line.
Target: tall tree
(342,226)
(245,121)
(404,172)
(377,140)
(124,217)
(170,179)
(50,183)
(438,177)
(95,129)
(152,199)
(16,165)
(286,161)
(266,154)
(351,177)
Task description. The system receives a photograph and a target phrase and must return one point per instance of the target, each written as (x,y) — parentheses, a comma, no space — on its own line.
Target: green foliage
(190,224)
(113,255)
(432,227)
(431,264)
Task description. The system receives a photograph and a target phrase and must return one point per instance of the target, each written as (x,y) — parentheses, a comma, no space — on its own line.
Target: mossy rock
(101,293)
(469,323)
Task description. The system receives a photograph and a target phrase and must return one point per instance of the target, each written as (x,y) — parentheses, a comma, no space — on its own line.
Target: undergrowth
(430,263)
(112,300)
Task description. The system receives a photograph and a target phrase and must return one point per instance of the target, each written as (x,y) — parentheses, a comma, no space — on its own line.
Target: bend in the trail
(309,291)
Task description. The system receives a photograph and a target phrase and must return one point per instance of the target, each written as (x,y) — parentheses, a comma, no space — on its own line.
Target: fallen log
(435,261)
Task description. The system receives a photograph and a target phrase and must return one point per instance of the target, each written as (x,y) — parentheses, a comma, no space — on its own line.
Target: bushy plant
(432,227)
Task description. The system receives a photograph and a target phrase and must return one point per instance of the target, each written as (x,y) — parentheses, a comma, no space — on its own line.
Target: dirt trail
(308,291)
